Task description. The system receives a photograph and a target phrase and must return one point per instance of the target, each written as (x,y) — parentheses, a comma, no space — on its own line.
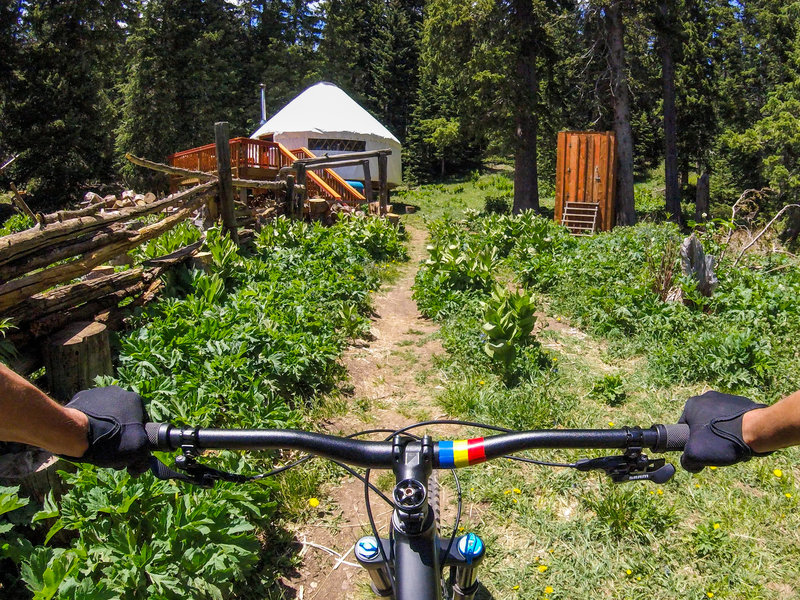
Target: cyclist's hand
(117,438)
(715,426)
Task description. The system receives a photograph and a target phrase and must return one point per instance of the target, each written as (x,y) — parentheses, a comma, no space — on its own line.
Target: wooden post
(300,197)
(75,356)
(20,203)
(289,193)
(222,139)
(383,182)
(367,184)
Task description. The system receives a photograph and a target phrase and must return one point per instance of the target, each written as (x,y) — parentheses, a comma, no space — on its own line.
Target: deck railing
(245,153)
(333,179)
(248,153)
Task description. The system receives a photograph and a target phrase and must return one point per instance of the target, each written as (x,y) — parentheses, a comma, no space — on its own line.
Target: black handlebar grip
(152,430)
(671,437)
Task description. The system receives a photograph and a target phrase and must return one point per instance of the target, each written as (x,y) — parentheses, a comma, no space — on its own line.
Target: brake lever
(203,475)
(631,466)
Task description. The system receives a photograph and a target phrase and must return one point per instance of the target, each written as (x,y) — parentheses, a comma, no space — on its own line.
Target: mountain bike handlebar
(446,454)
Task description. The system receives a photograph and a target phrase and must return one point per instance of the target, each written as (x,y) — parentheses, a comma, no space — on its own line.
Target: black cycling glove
(715,426)
(117,438)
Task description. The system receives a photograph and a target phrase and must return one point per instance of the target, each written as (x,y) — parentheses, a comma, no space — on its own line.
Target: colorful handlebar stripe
(461,453)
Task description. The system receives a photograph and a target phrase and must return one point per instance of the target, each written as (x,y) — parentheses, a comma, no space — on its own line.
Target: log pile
(36,264)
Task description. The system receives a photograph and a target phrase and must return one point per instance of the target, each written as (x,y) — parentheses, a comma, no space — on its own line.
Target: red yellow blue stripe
(461,453)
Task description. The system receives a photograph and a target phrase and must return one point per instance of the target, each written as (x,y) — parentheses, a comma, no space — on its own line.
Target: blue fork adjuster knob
(471,547)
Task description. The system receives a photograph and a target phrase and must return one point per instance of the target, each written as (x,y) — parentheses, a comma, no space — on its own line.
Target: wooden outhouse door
(586,181)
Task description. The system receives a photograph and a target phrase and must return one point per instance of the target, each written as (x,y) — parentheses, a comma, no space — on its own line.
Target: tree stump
(35,471)
(75,356)
(319,206)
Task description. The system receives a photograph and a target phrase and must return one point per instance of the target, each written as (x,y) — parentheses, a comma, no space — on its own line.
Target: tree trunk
(526,176)
(702,199)
(625,208)
(666,42)
(75,356)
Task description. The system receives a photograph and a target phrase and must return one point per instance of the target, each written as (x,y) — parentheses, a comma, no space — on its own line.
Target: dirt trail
(393,381)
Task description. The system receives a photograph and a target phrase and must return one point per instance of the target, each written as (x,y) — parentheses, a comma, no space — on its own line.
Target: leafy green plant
(499,205)
(15,223)
(711,538)
(609,389)
(623,511)
(509,318)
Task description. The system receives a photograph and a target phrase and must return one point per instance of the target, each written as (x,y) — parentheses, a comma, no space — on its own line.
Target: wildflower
(777,473)
(506,492)
(639,578)
(788,495)
(516,587)
(548,590)
(517,491)
(652,493)
(611,423)
(514,500)
(481,382)
(628,572)
(542,568)
(660,492)
(710,594)
(313,502)
(713,468)
(697,485)
(716,525)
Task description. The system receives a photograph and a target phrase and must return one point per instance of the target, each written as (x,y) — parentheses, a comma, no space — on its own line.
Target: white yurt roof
(324,109)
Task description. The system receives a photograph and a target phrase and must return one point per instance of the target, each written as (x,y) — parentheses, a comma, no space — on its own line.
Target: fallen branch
(763,231)
(202,175)
(21,205)
(8,163)
(736,206)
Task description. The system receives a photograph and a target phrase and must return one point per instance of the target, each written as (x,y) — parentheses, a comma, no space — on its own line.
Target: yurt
(326,120)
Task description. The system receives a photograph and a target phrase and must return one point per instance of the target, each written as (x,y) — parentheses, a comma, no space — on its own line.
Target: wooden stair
(581,218)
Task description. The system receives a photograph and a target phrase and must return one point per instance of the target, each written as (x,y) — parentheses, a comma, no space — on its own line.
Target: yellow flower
(611,423)
(716,525)
(548,590)
(313,502)
(628,572)
(639,578)
(506,492)
(777,473)
(517,491)
(697,485)
(710,594)
(713,468)
(481,382)
(542,568)
(788,495)
(660,492)
(516,587)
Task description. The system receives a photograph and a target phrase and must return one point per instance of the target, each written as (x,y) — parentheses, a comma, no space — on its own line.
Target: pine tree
(58,102)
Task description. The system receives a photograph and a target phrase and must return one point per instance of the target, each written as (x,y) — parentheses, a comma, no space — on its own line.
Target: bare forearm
(774,427)
(29,416)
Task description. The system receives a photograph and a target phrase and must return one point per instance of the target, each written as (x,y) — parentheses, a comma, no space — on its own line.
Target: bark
(20,289)
(625,208)
(80,245)
(667,49)
(526,176)
(22,244)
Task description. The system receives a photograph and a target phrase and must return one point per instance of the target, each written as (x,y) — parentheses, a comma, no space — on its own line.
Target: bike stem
(415,548)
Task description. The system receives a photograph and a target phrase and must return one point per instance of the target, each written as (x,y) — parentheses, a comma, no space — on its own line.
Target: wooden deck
(262,160)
